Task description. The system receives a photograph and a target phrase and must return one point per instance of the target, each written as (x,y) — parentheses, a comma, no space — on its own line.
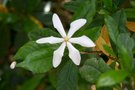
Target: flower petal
(51,40)
(57,55)
(58,25)
(83,41)
(74,54)
(76,25)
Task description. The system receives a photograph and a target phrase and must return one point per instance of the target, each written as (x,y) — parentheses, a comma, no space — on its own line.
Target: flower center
(66,39)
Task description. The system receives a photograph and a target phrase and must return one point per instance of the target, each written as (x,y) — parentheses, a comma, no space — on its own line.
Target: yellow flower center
(66,39)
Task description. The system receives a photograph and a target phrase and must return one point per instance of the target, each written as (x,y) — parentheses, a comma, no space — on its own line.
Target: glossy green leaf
(92,33)
(32,83)
(112,28)
(111,78)
(86,10)
(68,77)
(126,41)
(125,59)
(125,46)
(36,58)
(38,61)
(46,32)
(93,68)
(26,49)
(73,5)
(121,20)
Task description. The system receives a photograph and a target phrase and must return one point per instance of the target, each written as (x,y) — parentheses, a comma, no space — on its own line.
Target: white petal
(58,54)
(12,65)
(51,40)
(58,25)
(83,41)
(76,25)
(74,54)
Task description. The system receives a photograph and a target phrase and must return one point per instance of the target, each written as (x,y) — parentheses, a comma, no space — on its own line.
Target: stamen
(66,39)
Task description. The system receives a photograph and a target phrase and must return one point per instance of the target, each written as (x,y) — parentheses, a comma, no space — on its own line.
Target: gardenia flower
(66,40)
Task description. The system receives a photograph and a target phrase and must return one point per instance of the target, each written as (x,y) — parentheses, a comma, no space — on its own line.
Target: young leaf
(111,78)
(93,68)
(68,77)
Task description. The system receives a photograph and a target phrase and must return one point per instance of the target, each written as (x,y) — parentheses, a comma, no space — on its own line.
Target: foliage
(108,66)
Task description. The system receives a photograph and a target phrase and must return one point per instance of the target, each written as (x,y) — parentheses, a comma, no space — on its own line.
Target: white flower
(12,65)
(66,40)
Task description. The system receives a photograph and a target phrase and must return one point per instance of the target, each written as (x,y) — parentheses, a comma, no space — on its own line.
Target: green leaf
(111,78)
(121,20)
(26,49)
(109,50)
(130,12)
(32,83)
(112,28)
(125,47)
(38,62)
(36,58)
(108,4)
(73,5)
(46,32)
(124,40)
(86,10)
(92,33)
(133,68)
(93,68)
(68,77)
(125,59)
